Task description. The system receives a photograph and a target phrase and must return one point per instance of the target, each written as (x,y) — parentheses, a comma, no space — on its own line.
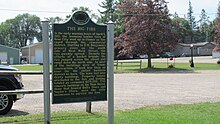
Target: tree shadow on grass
(166,70)
(14,112)
(156,70)
(78,116)
(19,118)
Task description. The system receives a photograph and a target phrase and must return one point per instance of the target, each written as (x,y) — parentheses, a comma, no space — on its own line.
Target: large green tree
(23,29)
(182,27)
(148,28)
(4,34)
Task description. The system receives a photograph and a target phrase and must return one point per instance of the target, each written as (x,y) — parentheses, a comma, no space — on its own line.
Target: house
(199,49)
(9,55)
(34,53)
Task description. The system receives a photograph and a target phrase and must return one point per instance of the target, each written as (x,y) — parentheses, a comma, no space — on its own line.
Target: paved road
(135,90)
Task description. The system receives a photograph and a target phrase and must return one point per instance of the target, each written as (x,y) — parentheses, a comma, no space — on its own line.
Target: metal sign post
(46,67)
(110,39)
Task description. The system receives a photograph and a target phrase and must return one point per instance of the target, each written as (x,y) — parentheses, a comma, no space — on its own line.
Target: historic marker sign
(79,60)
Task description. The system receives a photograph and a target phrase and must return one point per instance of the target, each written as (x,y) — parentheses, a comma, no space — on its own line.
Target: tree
(211,30)
(148,28)
(204,20)
(24,28)
(203,29)
(191,20)
(54,19)
(190,16)
(182,28)
(108,13)
(217,31)
(4,34)
(112,13)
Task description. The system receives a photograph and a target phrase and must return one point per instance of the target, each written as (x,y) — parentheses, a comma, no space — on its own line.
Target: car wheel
(6,102)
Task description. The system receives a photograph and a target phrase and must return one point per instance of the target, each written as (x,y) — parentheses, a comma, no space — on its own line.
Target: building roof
(9,47)
(32,45)
(199,44)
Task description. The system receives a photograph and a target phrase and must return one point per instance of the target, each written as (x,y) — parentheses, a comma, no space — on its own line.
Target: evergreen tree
(113,13)
(108,13)
(191,20)
(175,15)
(204,27)
(182,27)
(190,16)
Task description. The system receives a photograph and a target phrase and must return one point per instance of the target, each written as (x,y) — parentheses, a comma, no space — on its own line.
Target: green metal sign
(79,60)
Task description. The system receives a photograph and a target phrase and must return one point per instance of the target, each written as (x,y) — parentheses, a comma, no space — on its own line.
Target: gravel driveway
(135,91)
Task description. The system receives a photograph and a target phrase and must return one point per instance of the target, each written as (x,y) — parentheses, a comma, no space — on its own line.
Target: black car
(9,82)
(167,55)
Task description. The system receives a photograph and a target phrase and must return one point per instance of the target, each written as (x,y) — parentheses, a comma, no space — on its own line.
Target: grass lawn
(135,67)
(202,113)
(29,67)
(162,66)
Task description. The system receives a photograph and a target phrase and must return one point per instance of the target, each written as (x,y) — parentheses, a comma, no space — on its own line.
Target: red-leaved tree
(148,28)
(217,32)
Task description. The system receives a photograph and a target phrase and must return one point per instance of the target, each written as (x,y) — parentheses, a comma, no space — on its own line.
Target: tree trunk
(149,61)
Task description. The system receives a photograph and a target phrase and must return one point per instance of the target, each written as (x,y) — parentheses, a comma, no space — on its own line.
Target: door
(11,60)
(38,56)
(3,57)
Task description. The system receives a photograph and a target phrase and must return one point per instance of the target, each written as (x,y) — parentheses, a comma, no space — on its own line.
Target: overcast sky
(51,8)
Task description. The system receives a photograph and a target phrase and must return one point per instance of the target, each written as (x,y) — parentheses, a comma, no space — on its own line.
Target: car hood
(5,67)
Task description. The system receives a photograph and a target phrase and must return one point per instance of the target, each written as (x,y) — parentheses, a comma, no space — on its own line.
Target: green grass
(29,67)
(186,66)
(162,66)
(135,67)
(202,113)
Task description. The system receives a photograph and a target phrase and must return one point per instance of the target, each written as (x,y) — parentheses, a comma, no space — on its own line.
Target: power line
(39,11)
(44,11)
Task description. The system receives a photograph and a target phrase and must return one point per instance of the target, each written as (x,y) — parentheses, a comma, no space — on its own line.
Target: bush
(170,66)
(190,61)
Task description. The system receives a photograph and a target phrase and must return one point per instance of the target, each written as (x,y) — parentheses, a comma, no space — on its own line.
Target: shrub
(170,66)
(190,61)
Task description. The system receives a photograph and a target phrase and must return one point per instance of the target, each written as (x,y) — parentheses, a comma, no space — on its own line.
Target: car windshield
(168,53)
(5,67)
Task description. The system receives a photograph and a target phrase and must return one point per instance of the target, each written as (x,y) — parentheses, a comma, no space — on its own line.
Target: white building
(34,53)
